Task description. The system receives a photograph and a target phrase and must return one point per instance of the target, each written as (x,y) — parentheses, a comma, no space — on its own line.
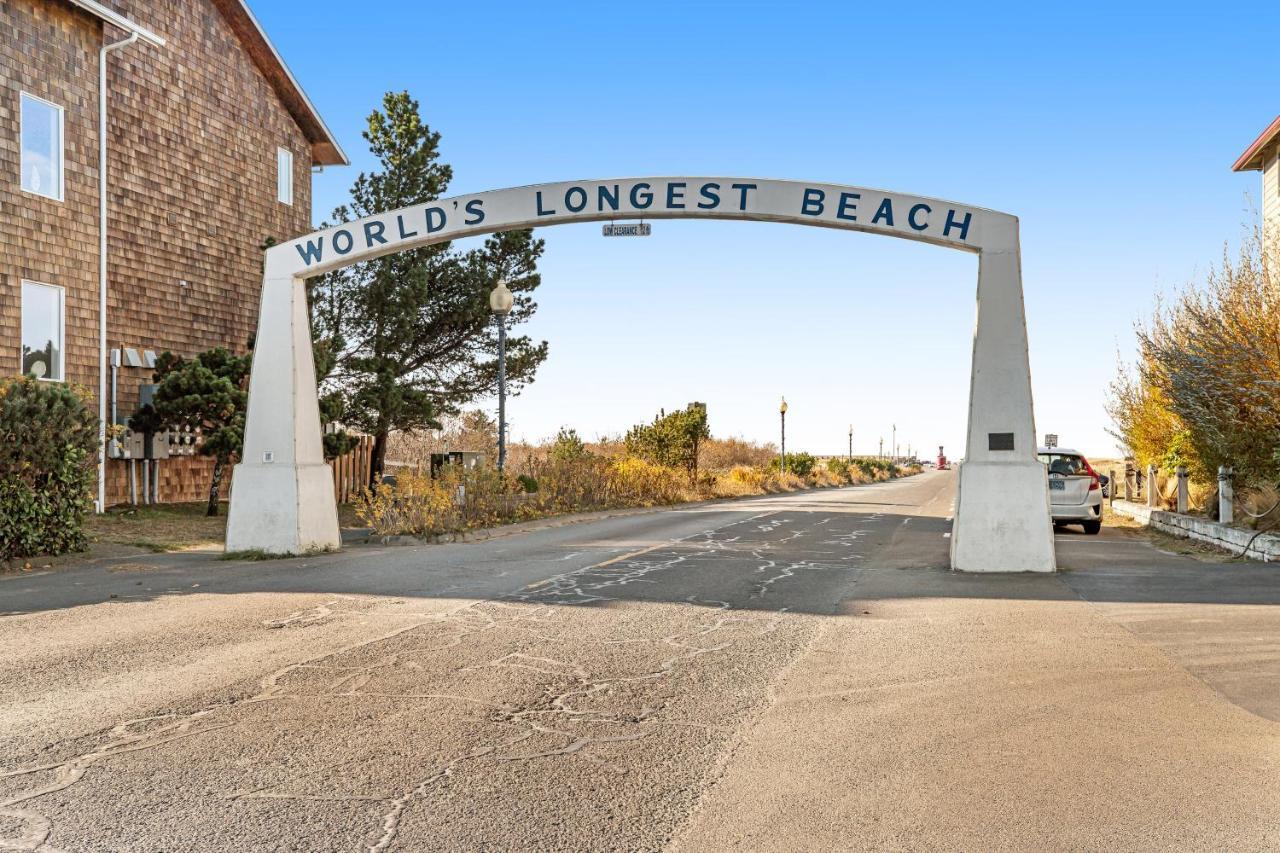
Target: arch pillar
(1002,521)
(282,498)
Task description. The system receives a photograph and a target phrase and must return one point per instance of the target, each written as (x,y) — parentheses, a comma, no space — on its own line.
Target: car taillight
(1094,482)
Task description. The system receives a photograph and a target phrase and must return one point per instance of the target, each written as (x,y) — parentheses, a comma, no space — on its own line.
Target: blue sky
(1109,132)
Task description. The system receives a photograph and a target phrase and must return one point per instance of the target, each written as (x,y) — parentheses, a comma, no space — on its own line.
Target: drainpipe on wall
(101,503)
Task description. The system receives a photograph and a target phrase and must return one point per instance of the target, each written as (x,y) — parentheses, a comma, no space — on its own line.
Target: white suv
(1075,492)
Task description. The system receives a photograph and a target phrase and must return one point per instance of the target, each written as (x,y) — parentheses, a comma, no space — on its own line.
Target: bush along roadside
(48,440)
(570,478)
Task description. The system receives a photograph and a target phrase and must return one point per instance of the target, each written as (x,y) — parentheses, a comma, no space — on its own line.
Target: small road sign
(628,229)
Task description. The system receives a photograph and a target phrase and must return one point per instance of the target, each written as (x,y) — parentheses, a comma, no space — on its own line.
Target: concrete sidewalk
(960,713)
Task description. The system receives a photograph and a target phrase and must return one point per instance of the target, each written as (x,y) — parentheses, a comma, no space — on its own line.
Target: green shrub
(528,484)
(800,464)
(48,442)
(672,440)
(568,446)
(838,468)
(874,468)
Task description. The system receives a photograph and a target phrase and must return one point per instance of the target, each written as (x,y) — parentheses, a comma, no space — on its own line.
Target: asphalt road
(789,673)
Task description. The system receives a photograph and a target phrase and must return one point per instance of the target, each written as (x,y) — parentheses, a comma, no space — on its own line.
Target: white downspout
(101,503)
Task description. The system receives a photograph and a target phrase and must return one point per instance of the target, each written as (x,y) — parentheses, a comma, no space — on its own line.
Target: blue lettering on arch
(373,232)
(436,219)
(603,195)
(541,210)
(813,203)
(641,190)
(350,241)
(675,193)
(711,192)
(951,223)
(404,235)
(569,196)
(885,212)
(743,189)
(848,210)
(314,251)
(475,208)
(911,216)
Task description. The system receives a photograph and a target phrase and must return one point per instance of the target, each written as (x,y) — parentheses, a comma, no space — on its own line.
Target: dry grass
(723,454)
(1107,465)
(1263,501)
(170,527)
(159,528)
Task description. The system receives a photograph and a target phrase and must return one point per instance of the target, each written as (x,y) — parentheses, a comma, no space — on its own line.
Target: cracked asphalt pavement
(787,673)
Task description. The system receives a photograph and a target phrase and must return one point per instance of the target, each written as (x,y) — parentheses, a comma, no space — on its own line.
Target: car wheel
(1092,527)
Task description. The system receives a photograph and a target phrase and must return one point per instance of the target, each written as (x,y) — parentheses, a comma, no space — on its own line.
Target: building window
(284,175)
(41,124)
(42,330)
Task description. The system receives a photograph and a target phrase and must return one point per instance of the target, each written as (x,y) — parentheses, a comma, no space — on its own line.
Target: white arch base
(283,501)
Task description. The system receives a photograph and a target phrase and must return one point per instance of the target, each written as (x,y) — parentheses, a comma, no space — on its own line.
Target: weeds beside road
(458,499)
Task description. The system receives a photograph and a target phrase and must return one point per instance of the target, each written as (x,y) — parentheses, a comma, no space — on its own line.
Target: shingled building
(209,147)
(1263,155)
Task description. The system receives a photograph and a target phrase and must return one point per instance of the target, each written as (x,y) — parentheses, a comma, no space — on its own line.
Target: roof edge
(1245,162)
(325,149)
(116,19)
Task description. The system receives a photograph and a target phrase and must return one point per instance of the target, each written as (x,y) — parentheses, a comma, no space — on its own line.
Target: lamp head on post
(783,408)
(501,299)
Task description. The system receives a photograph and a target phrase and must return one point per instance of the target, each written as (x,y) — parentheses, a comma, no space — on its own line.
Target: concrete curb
(1265,548)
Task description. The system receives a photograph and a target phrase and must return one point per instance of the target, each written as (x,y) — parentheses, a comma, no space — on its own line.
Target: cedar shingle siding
(193,132)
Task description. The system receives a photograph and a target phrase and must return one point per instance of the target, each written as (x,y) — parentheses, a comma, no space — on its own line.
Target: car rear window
(1065,464)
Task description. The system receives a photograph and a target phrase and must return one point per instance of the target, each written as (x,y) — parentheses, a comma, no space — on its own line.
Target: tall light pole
(881,455)
(850,442)
(782,410)
(500,302)
(893,444)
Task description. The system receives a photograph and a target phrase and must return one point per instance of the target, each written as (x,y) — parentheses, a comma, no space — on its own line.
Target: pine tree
(672,439)
(411,333)
(209,393)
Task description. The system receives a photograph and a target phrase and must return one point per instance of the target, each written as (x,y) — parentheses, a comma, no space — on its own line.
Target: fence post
(1226,494)
(1181,471)
(1111,487)
(1151,486)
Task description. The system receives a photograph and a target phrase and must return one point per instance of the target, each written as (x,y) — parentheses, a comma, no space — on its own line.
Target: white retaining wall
(1234,539)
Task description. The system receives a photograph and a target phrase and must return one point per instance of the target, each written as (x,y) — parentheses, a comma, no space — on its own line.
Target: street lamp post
(850,442)
(782,410)
(893,444)
(500,302)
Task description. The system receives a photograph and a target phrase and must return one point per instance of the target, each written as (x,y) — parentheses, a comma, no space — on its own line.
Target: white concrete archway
(283,501)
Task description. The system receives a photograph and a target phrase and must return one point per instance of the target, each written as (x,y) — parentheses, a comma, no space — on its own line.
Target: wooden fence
(351,470)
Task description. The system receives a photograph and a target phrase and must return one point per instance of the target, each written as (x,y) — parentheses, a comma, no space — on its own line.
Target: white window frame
(62,328)
(62,149)
(284,168)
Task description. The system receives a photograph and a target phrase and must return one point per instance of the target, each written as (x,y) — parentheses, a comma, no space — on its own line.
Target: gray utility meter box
(133,445)
(157,445)
(130,445)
